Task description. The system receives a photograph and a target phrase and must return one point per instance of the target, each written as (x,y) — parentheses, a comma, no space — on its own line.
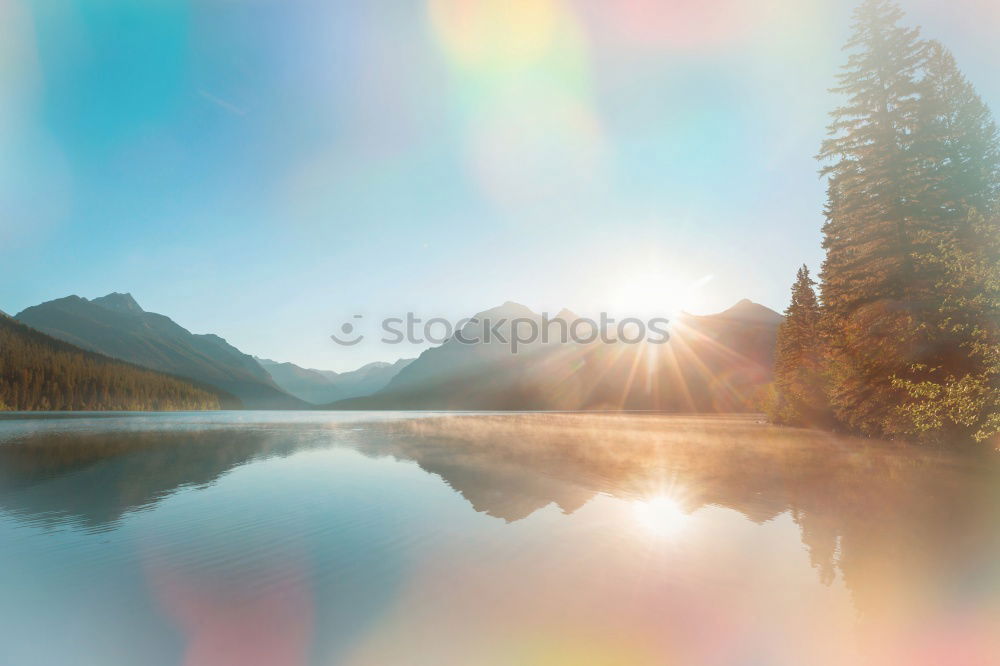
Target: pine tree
(960,145)
(956,389)
(913,167)
(800,398)
(870,289)
(959,140)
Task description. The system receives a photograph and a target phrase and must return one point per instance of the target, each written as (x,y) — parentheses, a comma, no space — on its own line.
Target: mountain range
(712,363)
(325,386)
(115,325)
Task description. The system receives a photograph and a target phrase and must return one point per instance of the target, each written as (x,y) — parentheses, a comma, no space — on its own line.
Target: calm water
(515,540)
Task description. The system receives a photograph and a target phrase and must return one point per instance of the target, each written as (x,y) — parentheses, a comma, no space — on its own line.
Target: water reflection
(93,478)
(661,515)
(620,539)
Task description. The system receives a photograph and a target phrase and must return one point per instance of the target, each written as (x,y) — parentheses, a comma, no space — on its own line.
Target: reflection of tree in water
(889,517)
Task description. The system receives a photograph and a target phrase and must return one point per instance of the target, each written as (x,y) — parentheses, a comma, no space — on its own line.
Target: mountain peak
(747,310)
(118,302)
(509,310)
(115,325)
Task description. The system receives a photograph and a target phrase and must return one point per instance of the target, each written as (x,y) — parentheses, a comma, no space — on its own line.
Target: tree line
(903,338)
(39,373)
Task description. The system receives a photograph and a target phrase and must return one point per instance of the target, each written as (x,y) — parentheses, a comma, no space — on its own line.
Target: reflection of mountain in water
(505,490)
(881,515)
(94,478)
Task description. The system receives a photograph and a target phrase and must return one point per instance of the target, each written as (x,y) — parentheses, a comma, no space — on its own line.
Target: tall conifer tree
(913,167)
(956,388)
(800,398)
(959,144)
(959,140)
(869,278)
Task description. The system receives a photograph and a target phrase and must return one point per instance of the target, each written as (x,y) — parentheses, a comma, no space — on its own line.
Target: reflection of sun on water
(661,516)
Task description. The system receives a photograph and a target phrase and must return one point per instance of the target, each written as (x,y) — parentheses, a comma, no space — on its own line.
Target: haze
(264,170)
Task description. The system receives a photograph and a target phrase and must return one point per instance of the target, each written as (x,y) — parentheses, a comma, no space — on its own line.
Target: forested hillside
(38,372)
(116,326)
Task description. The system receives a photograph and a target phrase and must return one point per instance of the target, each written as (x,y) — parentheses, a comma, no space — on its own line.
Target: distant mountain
(309,385)
(115,325)
(713,363)
(324,386)
(746,311)
(455,375)
(38,372)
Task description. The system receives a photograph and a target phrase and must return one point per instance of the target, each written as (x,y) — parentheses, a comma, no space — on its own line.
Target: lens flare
(494,32)
(671,24)
(520,87)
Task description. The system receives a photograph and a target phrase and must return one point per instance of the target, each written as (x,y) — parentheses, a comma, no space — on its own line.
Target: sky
(267,169)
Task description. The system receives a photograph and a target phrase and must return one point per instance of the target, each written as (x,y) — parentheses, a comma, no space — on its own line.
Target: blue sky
(265,169)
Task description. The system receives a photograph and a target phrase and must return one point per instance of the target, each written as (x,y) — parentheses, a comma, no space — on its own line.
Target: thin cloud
(228,106)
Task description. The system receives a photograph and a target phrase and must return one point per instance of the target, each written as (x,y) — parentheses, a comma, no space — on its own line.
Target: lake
(383,539)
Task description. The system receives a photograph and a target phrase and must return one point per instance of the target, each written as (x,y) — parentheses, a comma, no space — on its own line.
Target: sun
(661,516)
(655,294)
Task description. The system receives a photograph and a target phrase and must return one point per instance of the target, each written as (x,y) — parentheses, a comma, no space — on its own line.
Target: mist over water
(374,539)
